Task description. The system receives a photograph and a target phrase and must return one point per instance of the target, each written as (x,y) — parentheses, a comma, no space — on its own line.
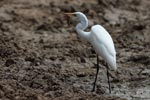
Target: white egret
(101,41)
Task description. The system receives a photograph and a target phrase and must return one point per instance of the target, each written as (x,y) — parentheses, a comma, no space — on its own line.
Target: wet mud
(42,57)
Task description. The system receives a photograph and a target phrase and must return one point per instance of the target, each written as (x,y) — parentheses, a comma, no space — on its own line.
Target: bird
(101,41)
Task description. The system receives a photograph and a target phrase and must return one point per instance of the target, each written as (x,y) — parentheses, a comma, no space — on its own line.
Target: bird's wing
(103,37)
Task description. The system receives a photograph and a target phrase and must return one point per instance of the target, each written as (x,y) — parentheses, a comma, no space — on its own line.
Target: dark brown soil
(42,57)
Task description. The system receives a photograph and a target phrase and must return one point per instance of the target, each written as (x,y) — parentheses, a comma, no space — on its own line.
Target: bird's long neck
(80,27)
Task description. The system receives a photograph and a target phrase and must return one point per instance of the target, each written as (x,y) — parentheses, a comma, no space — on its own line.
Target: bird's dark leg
(108,79)
(96,74)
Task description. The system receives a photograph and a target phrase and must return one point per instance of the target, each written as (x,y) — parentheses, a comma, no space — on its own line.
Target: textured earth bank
(42,58)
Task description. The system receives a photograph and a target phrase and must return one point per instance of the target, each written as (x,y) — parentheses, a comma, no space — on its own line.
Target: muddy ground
(42,57)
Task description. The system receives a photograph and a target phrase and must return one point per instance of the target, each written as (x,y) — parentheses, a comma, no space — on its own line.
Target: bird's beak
(69,13)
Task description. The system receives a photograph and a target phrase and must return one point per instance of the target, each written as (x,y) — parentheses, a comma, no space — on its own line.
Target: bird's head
(81,16)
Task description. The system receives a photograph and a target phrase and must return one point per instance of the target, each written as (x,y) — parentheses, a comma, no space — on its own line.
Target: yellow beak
(69,13)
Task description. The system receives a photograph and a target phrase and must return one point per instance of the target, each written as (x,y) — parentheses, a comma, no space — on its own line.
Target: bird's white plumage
(102,36)
(103,45)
